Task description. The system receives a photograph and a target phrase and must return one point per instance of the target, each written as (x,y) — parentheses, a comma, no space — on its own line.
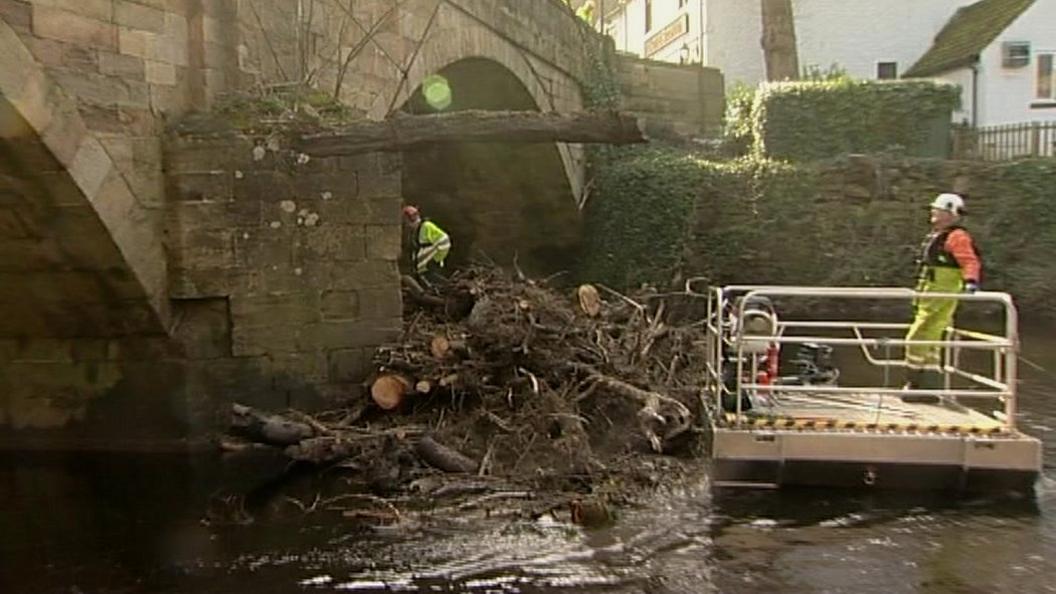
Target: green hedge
(804,121)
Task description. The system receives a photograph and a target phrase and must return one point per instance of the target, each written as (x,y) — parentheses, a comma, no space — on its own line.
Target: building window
(886,70)
(1015,54)
(648,15)
(1046,87)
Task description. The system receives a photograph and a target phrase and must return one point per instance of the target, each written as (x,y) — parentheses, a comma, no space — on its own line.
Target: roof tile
(966,34)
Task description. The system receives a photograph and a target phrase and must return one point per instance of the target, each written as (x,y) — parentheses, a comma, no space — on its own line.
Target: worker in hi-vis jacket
(948,262)
(431,245)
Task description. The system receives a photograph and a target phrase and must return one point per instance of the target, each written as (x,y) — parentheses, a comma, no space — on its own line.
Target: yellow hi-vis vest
(431,245)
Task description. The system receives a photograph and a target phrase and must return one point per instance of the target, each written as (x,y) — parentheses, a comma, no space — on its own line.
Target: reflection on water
(815,541)
(133,524)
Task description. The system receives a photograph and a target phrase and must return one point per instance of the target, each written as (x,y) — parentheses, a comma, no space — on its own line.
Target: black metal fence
(1004,143)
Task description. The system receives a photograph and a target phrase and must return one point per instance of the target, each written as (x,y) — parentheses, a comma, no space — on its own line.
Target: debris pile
(500,377)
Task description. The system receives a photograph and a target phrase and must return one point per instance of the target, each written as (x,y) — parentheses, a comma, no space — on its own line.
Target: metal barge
(814,428)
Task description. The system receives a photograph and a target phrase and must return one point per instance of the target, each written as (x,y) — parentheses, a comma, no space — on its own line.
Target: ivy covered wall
(662,214)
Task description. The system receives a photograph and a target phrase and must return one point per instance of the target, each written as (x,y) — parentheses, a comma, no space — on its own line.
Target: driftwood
(417,292)
(321,450)
(408,131)
(657,411)
(443,457)
(523,343)
(519,383)
(315,442)
(261,427)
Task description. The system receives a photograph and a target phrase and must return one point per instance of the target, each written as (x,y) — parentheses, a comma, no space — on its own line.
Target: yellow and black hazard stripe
(826,424)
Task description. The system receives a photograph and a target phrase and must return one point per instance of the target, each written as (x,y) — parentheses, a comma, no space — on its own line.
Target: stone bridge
(150,273)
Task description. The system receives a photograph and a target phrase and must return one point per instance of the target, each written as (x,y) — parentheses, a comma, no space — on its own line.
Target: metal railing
(1004,143)
(728,344)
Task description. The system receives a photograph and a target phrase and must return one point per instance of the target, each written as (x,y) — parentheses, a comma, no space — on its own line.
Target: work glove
(971,287)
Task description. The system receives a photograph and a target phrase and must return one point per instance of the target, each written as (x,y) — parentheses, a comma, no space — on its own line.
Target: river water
(94,523)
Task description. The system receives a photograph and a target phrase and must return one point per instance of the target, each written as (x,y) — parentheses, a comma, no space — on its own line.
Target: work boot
(913,379)
(919,379)
(932,380)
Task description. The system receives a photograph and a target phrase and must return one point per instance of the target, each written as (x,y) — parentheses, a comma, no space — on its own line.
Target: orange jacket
(959,244)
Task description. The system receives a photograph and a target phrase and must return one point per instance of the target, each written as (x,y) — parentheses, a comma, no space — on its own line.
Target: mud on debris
(500,384)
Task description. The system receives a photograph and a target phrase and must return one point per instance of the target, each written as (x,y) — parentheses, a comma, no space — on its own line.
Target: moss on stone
(282,109)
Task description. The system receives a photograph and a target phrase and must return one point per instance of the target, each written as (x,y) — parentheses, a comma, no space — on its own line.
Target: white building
(1003,55)
(665,30)
(868,39)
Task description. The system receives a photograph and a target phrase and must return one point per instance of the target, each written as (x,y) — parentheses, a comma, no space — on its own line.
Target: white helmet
(949,202)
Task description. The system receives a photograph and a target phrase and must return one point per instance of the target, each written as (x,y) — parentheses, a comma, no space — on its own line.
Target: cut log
(440,347)
(589,300)
(423,387)
(443,457)
(389,390)
(408,131)
(268,429)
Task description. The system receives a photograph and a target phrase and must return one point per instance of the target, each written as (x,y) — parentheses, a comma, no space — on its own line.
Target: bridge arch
(498,200)
(455,33)
(78,257)
(440,51)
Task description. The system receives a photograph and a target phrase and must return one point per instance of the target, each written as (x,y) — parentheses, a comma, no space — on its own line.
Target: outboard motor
(813,365)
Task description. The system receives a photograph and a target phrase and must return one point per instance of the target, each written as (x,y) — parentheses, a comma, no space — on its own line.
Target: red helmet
(411,212)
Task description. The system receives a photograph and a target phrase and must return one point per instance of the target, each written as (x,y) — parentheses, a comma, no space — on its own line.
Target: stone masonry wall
(84,268)
(686,99)
(283,277)
(126,63)
(374,56)
(385,49)
(280,280)
(298,259)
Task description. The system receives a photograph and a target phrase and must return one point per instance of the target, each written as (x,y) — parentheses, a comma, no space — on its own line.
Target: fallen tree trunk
(410,131)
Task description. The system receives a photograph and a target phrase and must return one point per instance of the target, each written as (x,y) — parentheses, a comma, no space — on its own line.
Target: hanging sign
(665,36)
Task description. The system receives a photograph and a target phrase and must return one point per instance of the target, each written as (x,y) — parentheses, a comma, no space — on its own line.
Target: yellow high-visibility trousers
(932,316)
